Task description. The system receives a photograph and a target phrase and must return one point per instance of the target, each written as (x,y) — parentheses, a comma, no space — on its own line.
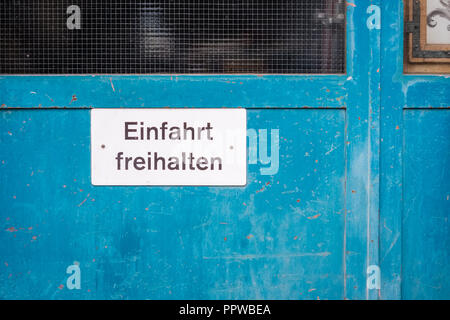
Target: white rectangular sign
(169,147)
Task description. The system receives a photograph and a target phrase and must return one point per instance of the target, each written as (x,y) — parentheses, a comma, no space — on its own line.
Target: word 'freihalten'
(152,161)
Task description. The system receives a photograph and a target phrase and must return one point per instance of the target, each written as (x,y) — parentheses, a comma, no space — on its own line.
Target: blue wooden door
(415,184)
(313,222)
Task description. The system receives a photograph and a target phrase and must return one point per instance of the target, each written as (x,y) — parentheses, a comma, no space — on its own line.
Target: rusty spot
(314,217)
(249,236)
(261,190)
(74,98)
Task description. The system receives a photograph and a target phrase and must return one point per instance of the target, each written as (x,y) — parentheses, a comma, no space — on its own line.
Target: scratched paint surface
(414,167)
(280,237)
(209,244)
(426,242)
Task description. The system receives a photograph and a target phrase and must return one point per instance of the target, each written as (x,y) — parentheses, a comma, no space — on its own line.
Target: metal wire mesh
(172,36)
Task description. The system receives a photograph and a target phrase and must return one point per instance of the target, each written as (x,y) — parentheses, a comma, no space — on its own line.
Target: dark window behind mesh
(173,36)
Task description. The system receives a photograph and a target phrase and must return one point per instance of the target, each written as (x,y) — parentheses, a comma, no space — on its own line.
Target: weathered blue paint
(347,163)
(277,237)
(174,91)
